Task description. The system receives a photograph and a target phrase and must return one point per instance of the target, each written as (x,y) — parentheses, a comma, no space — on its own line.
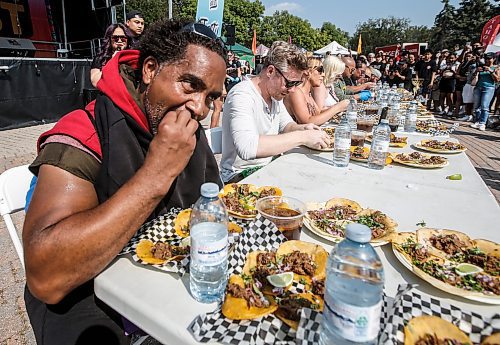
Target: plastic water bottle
(342,144)
(352,114)
(353,294)
(209,246)
(411,117)
(380,145)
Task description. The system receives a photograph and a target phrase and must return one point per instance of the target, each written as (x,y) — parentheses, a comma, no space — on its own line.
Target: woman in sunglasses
(301,104)
(116,38)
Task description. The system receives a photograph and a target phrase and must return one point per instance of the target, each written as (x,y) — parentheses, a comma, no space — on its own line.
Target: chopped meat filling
(318,287)
(300,263)
(336,212)
(450,244)
(247,293)
(162,251)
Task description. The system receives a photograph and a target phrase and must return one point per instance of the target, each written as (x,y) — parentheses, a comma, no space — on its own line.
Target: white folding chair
(214,137)
(14,185)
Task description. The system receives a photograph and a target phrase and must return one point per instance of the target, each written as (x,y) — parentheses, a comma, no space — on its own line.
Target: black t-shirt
(378,65)
(425,69)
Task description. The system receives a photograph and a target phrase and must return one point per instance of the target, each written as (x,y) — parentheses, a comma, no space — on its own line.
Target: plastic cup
(285,212)
(358,138)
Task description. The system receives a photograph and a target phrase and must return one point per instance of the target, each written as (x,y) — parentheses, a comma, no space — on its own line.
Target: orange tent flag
(254,42)
(359,44)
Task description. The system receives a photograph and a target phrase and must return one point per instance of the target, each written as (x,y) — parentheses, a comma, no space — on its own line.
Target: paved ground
(18,147)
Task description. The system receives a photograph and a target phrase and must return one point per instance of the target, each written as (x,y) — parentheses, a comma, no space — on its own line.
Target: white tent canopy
(334,48)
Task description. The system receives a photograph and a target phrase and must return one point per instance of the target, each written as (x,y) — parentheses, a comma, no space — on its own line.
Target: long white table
(160,302)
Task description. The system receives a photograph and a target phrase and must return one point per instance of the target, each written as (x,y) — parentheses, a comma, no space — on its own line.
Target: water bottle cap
(384,121)
(358,233)
(209,190)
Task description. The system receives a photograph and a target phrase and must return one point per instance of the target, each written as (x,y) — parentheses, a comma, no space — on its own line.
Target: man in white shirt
(256,125)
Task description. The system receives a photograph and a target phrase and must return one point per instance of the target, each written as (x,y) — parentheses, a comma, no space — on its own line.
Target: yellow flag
(359,44)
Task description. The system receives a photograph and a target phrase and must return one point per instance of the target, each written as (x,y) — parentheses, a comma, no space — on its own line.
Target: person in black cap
(135,24)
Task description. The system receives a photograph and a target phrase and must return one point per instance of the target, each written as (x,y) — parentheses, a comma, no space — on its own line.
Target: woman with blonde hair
(324,95)
(301,104)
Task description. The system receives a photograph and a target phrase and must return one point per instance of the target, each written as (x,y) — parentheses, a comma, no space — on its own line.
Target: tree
(332,33)
(152,10)
(284,26)
(419,34)
(444,32)
(245,16)
(471,16)
(380,32)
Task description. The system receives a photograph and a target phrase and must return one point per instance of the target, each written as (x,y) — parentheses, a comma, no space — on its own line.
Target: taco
(342,202)
(240,199)
(381,225)
(483,254)
(432,330)
(160,252)
(406,243)
(444,243)
(244,300)
(181,224)
(303,258)
(259,265)
(290,306)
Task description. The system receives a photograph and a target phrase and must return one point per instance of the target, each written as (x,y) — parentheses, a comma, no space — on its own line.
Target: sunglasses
(320,69)
(288,83)
(117,38)
(201,30)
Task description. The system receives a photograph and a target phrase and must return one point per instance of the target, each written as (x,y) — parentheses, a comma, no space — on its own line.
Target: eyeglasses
(201,30)
(320,69)
(118,38)
(288,83)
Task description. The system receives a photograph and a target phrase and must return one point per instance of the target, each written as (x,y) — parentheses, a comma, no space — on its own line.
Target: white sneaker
(481,127)
(465,118)
(475,125)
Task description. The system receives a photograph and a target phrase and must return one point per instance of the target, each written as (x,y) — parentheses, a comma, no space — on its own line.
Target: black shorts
(447,85)
(80,318)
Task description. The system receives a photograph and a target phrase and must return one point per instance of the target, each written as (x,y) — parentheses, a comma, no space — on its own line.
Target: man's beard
(154,113)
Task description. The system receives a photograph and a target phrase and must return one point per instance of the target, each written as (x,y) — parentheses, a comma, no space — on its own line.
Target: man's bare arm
(68,238)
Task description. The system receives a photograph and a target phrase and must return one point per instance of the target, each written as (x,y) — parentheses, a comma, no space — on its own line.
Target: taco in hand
(244,299)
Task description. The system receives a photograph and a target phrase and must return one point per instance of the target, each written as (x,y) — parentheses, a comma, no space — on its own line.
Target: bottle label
(381,146)
(354,323)
(343,144)
(208,253)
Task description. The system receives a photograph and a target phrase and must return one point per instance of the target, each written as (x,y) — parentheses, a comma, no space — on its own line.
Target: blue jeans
(482,99)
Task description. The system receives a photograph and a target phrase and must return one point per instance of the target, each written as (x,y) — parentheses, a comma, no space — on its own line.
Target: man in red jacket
(134,153)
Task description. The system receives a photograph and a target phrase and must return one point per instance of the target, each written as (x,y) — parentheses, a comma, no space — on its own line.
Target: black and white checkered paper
(161,229)
(410,303)
(261,234)
(310,323)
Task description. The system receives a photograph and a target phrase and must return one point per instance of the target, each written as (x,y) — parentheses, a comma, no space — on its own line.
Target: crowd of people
(459,85)
(95,168)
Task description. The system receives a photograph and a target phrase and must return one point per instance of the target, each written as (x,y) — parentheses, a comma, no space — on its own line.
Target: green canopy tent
(242,52)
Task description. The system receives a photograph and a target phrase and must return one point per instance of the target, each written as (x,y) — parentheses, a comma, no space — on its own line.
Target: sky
(346,14)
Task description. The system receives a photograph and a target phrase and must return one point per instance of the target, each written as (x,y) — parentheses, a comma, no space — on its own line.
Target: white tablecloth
(160,302)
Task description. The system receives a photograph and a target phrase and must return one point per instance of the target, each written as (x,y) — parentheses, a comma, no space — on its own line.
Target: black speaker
(230,35)
(20,47)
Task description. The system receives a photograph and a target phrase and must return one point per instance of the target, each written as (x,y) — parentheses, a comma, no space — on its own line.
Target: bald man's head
(350,66)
